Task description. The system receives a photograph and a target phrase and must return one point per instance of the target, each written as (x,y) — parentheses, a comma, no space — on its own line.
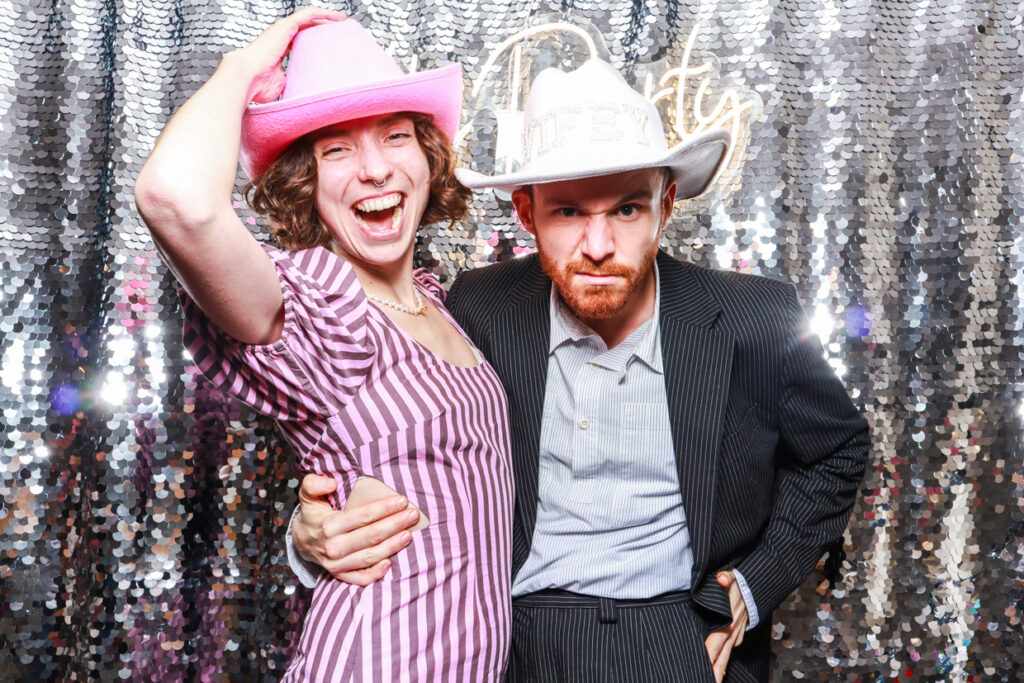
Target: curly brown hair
(286,192)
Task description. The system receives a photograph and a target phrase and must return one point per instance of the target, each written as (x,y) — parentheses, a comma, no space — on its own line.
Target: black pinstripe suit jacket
(769,448)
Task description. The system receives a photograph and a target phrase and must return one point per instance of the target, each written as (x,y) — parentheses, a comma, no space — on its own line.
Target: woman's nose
(375,166)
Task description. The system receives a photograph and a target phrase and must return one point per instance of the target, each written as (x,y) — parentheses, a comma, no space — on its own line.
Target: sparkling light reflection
(115,389)
(12,370)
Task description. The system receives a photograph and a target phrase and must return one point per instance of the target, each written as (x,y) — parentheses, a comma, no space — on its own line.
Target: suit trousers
(564,637)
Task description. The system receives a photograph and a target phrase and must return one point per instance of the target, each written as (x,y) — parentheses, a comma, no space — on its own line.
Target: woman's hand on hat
(269,49)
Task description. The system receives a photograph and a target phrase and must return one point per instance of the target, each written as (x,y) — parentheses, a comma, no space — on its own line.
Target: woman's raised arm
(184,191)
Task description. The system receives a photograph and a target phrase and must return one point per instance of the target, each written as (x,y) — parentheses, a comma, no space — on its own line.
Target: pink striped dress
(356,396)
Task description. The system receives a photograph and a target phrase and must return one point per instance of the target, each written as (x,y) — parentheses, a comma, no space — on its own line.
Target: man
(682,452)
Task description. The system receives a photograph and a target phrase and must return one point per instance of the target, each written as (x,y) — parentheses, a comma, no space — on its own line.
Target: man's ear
(524,209)
(668,201)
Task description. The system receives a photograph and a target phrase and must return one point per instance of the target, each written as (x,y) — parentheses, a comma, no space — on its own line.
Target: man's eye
(629,210)
(565,212)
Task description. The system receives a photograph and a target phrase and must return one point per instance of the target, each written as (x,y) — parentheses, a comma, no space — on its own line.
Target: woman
(338,338)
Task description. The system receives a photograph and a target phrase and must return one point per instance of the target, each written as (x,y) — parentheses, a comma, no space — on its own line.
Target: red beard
(598,302)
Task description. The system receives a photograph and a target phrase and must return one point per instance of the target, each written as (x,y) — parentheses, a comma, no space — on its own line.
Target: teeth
(380,203)
(396,221)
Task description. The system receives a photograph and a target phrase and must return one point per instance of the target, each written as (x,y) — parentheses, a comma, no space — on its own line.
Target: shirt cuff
(308,572)
(752,617)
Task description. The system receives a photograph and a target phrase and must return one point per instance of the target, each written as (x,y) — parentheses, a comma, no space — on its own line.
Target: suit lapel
(697,360)
(519,350)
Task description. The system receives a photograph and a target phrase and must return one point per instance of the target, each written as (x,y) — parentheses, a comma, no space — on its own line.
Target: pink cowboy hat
(337,72)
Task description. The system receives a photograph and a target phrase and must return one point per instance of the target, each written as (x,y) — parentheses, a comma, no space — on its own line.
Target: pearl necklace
(419,309)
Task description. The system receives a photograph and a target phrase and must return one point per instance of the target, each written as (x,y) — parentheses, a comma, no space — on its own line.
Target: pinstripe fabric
(357,396)
(768,447)
(569,643)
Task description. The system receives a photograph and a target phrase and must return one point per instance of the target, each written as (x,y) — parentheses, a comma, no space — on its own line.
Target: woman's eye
(332,150)
(394,137)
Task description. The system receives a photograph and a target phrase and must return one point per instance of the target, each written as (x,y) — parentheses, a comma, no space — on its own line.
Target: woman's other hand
(269,49)
(184,191)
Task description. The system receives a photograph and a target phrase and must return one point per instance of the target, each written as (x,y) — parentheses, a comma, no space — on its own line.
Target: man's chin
(596,304)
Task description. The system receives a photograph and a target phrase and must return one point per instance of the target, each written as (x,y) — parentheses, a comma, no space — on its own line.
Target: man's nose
(598,241)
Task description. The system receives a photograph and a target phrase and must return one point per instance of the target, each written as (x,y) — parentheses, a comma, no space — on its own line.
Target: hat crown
(590,122)
(588,109)
(334,56)
(337,72)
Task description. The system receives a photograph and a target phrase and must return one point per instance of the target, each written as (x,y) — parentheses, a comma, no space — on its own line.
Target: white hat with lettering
(590,122)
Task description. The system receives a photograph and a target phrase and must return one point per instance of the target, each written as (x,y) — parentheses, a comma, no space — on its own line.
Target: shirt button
(593,366)
(584,423)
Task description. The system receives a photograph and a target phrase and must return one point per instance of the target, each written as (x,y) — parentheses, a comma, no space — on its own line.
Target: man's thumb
(316,486)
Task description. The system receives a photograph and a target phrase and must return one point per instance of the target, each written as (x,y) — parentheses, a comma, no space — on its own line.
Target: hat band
(579,125)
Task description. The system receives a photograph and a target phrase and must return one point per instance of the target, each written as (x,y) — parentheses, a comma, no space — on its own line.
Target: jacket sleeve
(823,449)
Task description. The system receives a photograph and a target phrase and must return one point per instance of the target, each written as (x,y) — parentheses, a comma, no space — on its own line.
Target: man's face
(597,237)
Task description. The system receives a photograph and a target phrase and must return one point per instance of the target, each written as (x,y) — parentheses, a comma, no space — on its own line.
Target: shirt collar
(566,328)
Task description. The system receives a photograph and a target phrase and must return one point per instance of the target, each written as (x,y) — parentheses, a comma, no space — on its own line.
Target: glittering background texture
(142,512)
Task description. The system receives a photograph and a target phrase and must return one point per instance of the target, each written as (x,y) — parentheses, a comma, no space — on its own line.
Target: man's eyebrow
(573,204)
(570,203)
(634,196)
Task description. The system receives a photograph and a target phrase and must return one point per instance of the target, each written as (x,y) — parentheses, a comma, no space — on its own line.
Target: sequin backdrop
(142,511)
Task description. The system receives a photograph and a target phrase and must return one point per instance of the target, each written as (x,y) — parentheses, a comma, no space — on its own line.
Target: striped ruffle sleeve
(324,352)
(429,284)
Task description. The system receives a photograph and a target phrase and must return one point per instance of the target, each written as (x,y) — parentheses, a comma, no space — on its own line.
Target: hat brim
(693,163)
(267,129)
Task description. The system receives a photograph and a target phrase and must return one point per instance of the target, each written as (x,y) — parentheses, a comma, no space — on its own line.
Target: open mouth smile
(380,217)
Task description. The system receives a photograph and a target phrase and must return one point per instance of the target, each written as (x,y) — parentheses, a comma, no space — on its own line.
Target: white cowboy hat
(590,122)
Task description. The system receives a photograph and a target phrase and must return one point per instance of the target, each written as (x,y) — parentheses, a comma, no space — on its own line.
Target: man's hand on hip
(352,544)
(721,642)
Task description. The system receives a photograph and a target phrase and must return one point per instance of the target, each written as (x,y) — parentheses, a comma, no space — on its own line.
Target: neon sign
(685,91)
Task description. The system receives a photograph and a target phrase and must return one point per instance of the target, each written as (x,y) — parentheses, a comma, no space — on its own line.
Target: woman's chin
(371,253)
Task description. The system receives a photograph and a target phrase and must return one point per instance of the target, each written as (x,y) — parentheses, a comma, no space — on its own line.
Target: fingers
(358,517)
(353,542)
(307,16)
(721,662)
(366,546)
(288,26)
(715,642)
(364,577)
(380,532)
(365,565)
(737,605)
(739,628)
(316,486)
(273,43)
(314,13)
